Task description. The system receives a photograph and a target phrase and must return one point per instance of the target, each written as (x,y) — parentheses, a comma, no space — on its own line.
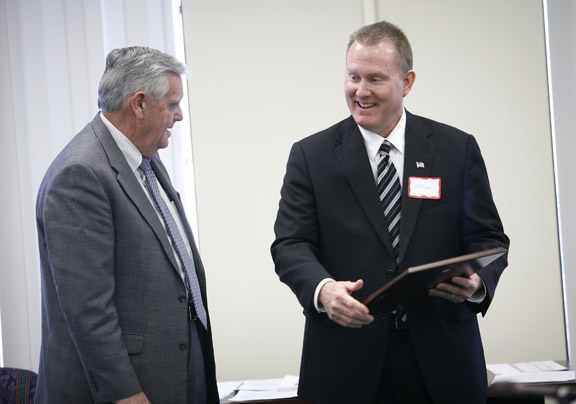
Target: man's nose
(179,115)
(363,89)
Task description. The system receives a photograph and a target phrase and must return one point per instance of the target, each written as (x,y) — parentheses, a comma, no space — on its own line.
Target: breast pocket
(447,196)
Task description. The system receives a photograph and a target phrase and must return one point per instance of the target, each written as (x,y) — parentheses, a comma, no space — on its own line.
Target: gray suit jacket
(114,307)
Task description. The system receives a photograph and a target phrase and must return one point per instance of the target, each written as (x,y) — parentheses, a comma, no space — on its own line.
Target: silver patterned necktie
(190,276)
(390,194)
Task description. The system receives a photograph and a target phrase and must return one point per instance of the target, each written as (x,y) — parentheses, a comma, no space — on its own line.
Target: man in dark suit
(124,316)
(340,236)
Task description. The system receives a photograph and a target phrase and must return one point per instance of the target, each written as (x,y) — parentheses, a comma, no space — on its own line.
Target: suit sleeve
(78,233)
(482,227)
(295,250)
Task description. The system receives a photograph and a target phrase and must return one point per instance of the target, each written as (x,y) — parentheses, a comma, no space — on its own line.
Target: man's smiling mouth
(362,105)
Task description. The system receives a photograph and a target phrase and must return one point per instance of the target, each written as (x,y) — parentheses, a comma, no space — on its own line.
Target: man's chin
(366,124)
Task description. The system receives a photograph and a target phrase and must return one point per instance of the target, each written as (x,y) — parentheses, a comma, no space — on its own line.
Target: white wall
(265,73)
(269,73)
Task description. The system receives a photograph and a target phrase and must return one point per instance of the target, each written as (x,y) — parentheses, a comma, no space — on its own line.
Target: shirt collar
(130,152)
(372,140)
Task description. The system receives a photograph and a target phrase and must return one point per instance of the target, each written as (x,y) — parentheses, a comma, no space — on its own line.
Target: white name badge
(424,188)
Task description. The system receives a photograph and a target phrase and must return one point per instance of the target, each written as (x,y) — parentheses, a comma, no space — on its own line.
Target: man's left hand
(459,289)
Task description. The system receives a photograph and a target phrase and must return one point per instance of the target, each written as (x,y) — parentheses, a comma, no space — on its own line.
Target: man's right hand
(341,307)
(139,398)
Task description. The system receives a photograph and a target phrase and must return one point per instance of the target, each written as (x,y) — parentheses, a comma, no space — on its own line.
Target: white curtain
(52,55)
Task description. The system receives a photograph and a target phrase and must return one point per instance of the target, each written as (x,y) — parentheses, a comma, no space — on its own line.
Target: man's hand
(459,289)
(342,308)
(139,398)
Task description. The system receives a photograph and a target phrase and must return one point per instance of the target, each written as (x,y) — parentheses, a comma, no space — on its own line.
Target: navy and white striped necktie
(390,194)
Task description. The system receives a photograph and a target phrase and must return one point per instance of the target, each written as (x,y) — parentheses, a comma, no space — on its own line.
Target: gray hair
(383,31)
(133,69)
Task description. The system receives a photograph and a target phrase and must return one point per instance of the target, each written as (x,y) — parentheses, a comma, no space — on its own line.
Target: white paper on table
(288,383)
(530,372)
(266,389)
(227,388)
(260,385)
(249,395)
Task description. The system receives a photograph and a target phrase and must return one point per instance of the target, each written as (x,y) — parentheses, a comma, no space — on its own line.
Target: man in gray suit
(124,316)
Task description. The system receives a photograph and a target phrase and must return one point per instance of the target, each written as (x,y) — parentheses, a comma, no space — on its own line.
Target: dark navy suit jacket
(330,224)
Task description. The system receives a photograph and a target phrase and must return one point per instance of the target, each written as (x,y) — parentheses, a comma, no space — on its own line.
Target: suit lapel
(352,156)
(418,158)
(353,159)
(131,186)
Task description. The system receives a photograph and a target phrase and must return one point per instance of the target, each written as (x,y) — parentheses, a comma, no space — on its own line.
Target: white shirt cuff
(317,305)
(479,296)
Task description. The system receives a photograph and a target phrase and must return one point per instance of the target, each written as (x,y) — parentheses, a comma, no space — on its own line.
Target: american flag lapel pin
(419,164)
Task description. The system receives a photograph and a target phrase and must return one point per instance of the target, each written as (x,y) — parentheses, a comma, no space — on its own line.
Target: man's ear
(138,104)
(409,79)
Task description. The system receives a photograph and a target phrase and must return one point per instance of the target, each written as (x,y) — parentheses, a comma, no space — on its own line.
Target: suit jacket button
(182,299)
(182,346)
(390,273)
(384,321)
